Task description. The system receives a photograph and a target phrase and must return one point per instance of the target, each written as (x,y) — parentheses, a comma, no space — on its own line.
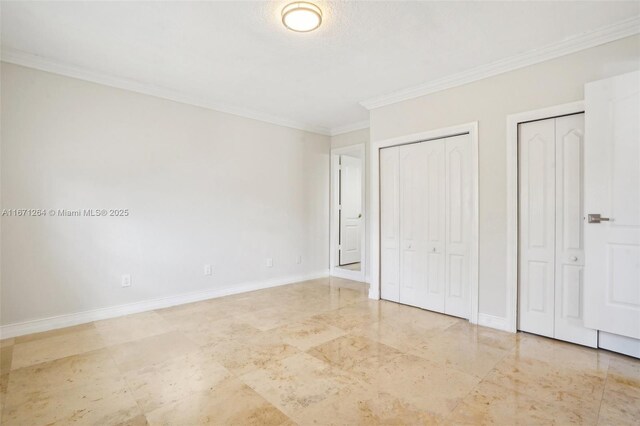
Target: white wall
(489,101)
(202,187)
(354,138)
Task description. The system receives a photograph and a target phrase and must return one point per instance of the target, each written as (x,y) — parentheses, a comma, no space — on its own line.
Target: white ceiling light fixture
(301,16)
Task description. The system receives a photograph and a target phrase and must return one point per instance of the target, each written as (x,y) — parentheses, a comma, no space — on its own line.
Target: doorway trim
(512,197)
(472,130)
(334,238)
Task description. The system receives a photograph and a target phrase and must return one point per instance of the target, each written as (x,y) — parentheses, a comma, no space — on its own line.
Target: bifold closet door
(570,260)
(458,214)
(551,251)
(422,225)
(536,148)
(425,224)
(390,224)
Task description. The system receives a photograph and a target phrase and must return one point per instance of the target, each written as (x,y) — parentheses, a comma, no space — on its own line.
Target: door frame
(334,255)
(472,130)
(513,120)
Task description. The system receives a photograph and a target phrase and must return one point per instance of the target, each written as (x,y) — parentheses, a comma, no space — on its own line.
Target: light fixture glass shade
(301,16)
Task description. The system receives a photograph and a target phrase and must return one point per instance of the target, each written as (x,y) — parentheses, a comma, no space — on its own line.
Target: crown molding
(29,60)
(335,131)
(574,44)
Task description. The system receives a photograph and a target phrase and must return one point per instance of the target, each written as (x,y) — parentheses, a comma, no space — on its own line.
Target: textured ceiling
(238,53)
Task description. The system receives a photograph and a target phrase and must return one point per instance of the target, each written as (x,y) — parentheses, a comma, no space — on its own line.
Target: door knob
(596,218)
(434,250)
(359,215)
(574,259)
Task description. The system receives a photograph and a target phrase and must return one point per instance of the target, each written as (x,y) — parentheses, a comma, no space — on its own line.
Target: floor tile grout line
(126,383)
(604,389)
(482,379)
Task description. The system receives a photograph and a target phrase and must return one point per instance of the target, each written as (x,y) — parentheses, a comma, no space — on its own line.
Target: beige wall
(489,101)
(202,187)
(354,138)
(350,138)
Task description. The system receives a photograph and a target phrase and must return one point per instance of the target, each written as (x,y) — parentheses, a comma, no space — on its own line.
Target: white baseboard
(374,293)
(61,321)
(621,344)
(492,321)
(347,274)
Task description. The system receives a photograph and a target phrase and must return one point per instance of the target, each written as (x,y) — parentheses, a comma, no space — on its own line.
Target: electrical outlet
(126,280)
(269,263)
(208,270)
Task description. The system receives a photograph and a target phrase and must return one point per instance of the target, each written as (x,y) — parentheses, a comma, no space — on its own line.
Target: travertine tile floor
(317,352)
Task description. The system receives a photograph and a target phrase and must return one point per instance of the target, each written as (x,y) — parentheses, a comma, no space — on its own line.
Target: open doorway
(347,212)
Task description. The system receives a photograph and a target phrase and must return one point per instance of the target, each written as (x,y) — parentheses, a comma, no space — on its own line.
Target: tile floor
(317,352)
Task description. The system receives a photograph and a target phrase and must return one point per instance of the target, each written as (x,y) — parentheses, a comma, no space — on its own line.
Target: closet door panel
(569,279)
(536,145)
(434,151)
(390,224)
(458,209)
(414,186)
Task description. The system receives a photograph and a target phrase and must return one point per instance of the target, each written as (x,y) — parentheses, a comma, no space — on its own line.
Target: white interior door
(536,148)
(458,210)
(612,190)
(390,224)
(350,209)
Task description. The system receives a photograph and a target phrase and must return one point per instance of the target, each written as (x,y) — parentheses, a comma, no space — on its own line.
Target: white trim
(574,44)
(492,321)
(374,181)
(61,321)
(25,59)
(334,225)
(621,344)
(335,131)
(348,274)
(512,197)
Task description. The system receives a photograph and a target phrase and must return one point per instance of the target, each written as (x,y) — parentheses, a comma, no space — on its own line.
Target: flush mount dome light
(301,16)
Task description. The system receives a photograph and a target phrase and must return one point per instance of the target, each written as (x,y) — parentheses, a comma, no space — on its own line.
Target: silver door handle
(596,218)
(574,259)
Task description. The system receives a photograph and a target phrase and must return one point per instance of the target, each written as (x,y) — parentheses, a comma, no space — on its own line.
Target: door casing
(510,323)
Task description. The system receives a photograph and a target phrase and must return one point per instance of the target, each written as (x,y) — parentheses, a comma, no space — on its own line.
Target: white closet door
(536,145)
(569,279)
(389,224)
(413,226)
(458,225)
(422,225)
